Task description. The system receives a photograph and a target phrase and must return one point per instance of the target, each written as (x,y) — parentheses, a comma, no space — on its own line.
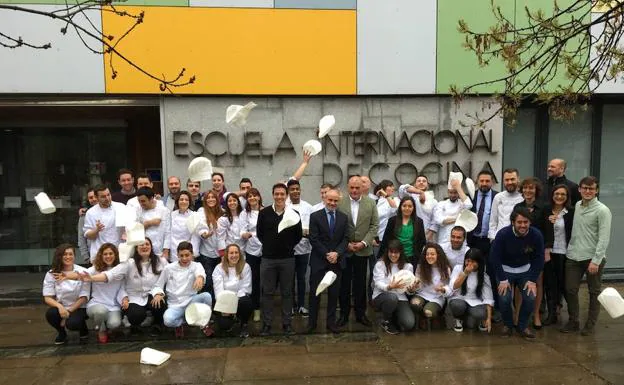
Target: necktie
(332,223)
(480,213)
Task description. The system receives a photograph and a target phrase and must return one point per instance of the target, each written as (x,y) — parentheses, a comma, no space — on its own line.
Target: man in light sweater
(504,202)
(517,257)
(591,230)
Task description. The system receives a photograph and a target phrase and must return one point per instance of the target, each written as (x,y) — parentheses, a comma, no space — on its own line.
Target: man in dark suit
(329,230)
(482,206)
(362,214)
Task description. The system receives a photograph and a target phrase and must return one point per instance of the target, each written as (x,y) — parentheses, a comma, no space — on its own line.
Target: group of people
(531,240)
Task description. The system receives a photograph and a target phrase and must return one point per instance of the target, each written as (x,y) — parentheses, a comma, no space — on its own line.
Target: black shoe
(389,328)
(266,331)
(333,329)
(527,334)
(551,319)
(84,334)
(342,321)
(365,321)
(507,332)
(135,330)
(588,329)
(570,327)
(244,332)
(155,331)
(497,317)
(61,338)
(311,329)
(288,330)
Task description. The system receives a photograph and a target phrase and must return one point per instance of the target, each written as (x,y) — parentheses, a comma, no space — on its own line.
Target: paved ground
(360,355)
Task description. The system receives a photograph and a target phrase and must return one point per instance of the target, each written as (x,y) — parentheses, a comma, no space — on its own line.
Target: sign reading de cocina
(404,153)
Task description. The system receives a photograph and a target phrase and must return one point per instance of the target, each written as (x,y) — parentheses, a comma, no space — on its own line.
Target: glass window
(62,162)
(571,140)
(519,143)
(612,179)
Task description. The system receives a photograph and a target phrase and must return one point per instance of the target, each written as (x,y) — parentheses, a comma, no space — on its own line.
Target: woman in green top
(408,228)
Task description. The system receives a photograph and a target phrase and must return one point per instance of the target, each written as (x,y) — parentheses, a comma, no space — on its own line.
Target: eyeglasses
(560,194)
(588,188)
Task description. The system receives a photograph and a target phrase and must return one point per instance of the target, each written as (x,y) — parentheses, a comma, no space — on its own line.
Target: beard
(511,188)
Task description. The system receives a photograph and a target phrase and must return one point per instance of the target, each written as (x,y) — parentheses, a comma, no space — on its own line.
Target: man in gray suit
(362,214)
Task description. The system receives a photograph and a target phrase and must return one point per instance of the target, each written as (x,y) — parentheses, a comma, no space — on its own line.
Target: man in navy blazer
(329,229)
(478,238)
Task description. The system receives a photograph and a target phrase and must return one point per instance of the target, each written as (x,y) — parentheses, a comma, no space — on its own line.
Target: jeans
(505,302)
(472,315)
(427,308)
(393,308)
(104,318)
(76,320)
(174,316)
(301,267)
(574,272)
(243,313)
(254,263)
(354,281)
(136,313)
(209,265)
(272,270)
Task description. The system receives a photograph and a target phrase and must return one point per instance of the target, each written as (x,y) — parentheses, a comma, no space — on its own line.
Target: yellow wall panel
(239,51)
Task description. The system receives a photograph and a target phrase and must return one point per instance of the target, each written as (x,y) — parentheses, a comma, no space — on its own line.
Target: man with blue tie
(329,229)
(482,206)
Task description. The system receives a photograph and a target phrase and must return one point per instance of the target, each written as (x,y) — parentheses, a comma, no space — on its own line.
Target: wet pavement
(357,356)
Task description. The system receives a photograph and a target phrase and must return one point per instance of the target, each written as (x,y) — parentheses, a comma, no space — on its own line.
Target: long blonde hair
(240,265)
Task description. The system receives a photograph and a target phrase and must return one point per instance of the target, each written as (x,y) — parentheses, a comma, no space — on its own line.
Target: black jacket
(322,243)
(276,245)
(548,228)
(418,239)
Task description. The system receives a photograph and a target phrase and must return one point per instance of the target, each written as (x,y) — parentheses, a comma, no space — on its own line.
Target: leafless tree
(558,58)
(74,15)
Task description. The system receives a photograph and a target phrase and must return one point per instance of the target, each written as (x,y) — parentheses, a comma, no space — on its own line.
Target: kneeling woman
(472,298)
(140,274)
(433,273)
(233,274)
(66,299)
(388,294)
(104,307)
(179,282)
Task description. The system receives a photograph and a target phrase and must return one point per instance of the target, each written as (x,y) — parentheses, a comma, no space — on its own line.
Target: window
(519,143)
(571,140)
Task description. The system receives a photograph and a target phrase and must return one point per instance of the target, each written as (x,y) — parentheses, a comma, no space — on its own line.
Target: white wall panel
(396,46)
(67,67)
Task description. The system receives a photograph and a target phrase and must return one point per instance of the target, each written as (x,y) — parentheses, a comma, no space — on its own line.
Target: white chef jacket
(177,283)
(135,286)
(221,281)
(66,292)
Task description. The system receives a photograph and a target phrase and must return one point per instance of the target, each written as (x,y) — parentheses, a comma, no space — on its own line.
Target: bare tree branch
(75,16)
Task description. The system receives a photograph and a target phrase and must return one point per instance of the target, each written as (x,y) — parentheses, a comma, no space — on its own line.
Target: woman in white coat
(253,246)
(433,275)
(209,257)
(229,225)
(66,299)
(233,274)
(180,230)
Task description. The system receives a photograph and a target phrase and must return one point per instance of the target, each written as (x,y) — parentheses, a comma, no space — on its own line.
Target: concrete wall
(386,138)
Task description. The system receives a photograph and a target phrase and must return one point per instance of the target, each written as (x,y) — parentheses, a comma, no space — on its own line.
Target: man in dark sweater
(517,256)
(125,178)
(278,261)
(556,176)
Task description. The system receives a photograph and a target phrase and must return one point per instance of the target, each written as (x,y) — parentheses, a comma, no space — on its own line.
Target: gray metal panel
(396,46)
(232,3)
(67,67)
(317,4)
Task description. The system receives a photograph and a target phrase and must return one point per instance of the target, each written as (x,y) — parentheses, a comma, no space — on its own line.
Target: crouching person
(472,298)
(233,275)
(179,282)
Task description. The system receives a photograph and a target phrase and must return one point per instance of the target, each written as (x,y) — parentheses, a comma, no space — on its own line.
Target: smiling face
(528,192)
(279,196)
(407,208)
(332,197)
(232,204)
(431,256)
(294,192)
(185,257)
(457,239)
(253,199)
(560,196)
(521,225)
(183,202)
(355,187)
(108,256)
(510,181)
(394,255)
(173,183)
(145,249)
(588,192)
(244,187)
(91,198)
(126,181)
(104,198)
(68,258)
(211,199)
(144,182)
(217,183)
(233,255)
(453,195)
(556,168)
(485,183)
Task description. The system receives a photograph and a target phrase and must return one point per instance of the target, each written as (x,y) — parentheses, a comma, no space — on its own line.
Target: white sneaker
(458,325)
(125,322)
(482,327)
(303,312)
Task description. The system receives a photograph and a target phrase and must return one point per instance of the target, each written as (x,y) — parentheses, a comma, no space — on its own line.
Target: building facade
(382,68)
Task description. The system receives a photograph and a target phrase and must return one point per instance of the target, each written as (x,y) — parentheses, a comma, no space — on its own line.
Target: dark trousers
(75,321)
(354,283)
(136,313)
(574,272)
(209,265)
(254,263)
(333,292)
(272,270)
(472,315)
(392,308)
(484,244)
(301,267)
(554,281)
(243,313)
